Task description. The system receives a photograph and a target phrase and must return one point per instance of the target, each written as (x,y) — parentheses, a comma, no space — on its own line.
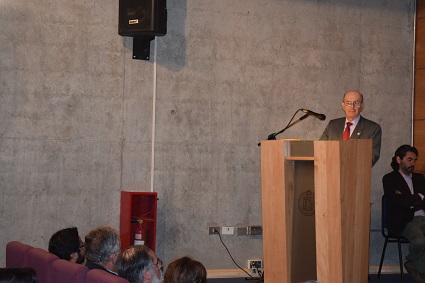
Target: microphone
(318,116)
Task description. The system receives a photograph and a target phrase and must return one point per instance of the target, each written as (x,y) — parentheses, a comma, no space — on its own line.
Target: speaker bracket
(142,47)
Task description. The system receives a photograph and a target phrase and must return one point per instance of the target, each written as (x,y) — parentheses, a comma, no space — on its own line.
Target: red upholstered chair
(64,271)
(41,261)
(100,276)
(16,254)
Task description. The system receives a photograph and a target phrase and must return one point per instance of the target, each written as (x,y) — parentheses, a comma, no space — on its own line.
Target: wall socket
(254,265)
(249,230)
(212,230)
(255,230)
(226,230)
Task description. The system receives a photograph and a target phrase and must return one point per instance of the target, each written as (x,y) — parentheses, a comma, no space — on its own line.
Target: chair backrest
(384,224)
(100,276)
(65,271)
(17,254)
(384,227)
(41,261)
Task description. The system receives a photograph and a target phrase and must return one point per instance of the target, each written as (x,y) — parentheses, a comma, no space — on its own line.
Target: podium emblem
(306,203)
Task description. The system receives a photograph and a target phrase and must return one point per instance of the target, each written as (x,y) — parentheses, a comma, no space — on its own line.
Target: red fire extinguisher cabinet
(135,206)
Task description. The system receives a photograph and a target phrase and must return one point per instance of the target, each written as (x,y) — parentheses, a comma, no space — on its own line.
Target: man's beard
(80,258)
(407,169)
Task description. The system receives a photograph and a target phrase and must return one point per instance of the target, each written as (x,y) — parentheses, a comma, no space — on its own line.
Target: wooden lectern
(316,210)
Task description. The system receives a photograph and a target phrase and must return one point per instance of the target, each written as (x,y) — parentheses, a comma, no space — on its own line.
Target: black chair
(390,239)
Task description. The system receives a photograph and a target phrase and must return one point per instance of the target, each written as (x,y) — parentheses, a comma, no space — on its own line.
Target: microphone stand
(273,136)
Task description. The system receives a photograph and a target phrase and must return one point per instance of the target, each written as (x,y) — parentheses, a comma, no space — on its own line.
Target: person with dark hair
(185,270)
(139,264)
(405,191)
(67,245)
(17,275)
(102,249)
(353,125)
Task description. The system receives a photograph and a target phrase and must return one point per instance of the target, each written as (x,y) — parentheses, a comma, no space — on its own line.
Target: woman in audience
(185,270)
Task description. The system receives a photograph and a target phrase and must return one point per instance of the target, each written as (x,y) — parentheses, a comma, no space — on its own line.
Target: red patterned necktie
(346,135)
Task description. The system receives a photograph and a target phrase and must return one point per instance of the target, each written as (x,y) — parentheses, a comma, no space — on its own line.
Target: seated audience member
(17,275)
(102,249)
(185,270)
(139,264)
(405,192)
(67,245)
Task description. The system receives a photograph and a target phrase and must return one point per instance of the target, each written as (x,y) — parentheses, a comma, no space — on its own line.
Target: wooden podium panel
(275,214)
(287,169)
(343,173)
(327,241)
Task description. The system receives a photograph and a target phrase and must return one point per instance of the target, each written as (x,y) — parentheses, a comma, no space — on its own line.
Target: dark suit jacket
(401,207)
(91,265)
(365,129)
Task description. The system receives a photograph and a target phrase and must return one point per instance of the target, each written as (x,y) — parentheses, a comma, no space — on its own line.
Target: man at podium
(353,125)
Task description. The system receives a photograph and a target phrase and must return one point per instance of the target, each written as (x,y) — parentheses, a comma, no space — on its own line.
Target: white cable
(153,115)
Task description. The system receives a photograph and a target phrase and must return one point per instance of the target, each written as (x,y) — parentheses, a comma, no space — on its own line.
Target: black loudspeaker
(142,18)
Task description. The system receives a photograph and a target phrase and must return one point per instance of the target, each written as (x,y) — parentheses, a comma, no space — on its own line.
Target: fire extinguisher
(139,234)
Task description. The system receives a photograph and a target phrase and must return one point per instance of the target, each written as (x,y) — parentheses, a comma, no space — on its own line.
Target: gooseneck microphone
(290,124)
(318,116)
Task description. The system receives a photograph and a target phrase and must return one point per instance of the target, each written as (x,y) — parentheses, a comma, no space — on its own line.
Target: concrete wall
(76,110)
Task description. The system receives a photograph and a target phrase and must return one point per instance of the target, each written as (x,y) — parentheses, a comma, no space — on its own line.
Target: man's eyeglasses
(355,103)
(158,263)
(82,245)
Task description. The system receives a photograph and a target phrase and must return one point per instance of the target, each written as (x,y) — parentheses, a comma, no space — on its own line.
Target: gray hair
(101,243)
(133,262)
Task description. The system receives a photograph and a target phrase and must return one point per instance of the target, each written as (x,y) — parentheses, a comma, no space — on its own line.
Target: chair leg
(382,257)
(400,258)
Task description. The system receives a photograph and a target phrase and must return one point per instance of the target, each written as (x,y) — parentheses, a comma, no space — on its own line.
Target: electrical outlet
(249,230)
(255,230)
(255,264)
(213,230)
(226,230)
(240,231)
